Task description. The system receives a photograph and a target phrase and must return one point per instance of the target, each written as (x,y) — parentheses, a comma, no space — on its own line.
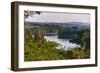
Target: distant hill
(79,25)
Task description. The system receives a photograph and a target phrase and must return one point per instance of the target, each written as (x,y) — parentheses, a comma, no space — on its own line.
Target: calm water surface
(65,43)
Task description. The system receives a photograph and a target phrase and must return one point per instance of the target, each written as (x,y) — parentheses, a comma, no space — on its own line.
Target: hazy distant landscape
(56,40)
(68,32)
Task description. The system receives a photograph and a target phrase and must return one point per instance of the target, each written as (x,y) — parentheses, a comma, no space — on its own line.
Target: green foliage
(37,48)
(83,38)
(27,36)
(46,51)
(38,33)
(78,53)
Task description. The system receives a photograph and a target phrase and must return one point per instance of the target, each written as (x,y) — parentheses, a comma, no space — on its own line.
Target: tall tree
(83,39)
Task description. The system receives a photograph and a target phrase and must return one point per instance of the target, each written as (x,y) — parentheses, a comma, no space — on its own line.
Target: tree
(38,31)
(31,13)
(28,36)
(38,34)
(83,39)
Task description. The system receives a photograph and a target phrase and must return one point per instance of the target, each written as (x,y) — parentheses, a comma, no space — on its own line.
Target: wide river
(65,43)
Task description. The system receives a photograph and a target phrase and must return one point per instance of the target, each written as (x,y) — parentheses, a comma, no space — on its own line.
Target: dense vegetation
(37,48)
(81,36)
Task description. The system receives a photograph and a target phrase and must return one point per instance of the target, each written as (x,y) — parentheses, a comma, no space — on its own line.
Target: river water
(65,43)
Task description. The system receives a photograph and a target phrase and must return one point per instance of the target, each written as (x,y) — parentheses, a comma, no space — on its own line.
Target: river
(65,43)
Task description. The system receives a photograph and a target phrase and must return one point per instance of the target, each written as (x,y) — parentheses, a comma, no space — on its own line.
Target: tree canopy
(30,13)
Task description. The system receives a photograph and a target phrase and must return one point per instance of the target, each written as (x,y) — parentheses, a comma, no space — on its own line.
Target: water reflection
(65,43)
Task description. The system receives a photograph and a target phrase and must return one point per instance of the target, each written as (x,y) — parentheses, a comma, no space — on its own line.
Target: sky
(59,17)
